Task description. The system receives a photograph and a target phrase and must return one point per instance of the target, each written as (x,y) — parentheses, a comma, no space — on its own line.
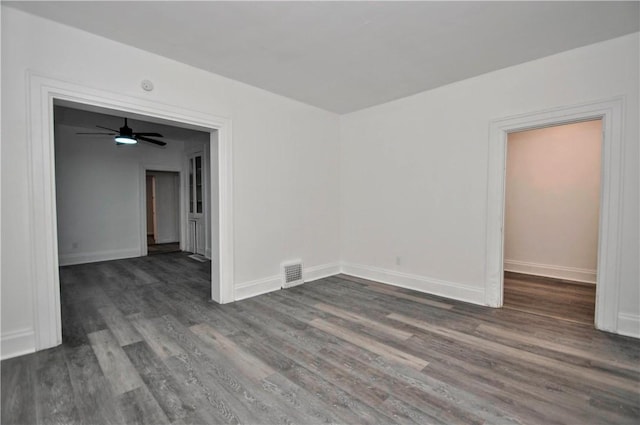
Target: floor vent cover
(292,274)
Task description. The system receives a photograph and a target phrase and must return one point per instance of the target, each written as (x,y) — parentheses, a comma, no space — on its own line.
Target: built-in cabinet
(196,208)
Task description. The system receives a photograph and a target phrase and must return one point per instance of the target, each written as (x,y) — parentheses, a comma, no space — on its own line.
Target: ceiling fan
(126,136)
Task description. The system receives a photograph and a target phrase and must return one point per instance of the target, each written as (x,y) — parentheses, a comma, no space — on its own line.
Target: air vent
(292,274)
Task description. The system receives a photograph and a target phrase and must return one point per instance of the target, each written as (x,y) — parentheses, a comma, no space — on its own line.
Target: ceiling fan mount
(126,136)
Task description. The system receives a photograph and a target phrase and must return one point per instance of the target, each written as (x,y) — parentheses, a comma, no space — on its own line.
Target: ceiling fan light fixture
(127,140)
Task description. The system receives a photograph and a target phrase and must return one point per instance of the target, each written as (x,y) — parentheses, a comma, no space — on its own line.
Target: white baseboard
(257,287)
(629,325)
(94,257)
(322,271)
(274,283)
(166,240)
(547,270)
(17,343)
(425,284)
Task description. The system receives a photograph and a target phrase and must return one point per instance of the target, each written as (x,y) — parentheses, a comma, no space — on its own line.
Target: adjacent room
(552,207)
(100,182)
(320,212)
(163,211)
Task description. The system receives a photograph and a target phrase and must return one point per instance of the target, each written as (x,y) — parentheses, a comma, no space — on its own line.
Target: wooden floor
(142,344)
(553,298)
(163,248)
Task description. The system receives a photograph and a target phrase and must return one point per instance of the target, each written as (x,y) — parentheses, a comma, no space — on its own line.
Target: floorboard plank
(114,363)
(18,391)
(92,393)
(53,392)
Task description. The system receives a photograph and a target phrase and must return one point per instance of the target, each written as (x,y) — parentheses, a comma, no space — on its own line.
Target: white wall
(286,165)
(552,201)
(167,206)
(414,171)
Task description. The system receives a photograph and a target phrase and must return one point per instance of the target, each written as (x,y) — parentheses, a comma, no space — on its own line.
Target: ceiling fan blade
(148,134)
(104,134)
(107,128)
(155,142)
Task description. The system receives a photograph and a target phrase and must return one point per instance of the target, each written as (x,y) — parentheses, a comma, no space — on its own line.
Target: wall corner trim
(17,343)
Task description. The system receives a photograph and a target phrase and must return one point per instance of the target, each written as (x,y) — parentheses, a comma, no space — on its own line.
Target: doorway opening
(119,205)
(551,216)
(116,200)
(44,92)
(162,211)
(611,113)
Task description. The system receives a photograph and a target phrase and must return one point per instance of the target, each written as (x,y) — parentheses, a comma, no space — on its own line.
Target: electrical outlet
(398,261)
(74,245)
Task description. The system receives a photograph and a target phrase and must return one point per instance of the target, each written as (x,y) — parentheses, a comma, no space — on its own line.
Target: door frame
(610,111)
(42,220)
(144,167)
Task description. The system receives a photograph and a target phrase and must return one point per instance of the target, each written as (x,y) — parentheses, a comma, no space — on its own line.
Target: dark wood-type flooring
(163,248)
(553,298)
(142,344)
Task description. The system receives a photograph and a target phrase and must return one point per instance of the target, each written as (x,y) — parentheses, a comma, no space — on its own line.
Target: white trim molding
(42,233)
(258,287)
(610,111)
(424,284)
(94,257)
(17,343)
(274,283)
(320,272)
(549,270)
(629,325)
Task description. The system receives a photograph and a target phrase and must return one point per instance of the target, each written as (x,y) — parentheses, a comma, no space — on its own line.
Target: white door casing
(609,238)
(41,187)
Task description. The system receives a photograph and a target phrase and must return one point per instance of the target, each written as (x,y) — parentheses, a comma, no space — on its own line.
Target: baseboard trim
(547,270)
(94,257)
(257,287)
(17,343)
(320,272)
(629,325)
(274,283)
(166,240)
(424,284)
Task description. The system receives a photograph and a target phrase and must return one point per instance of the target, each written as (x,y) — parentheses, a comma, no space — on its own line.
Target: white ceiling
(345,56)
